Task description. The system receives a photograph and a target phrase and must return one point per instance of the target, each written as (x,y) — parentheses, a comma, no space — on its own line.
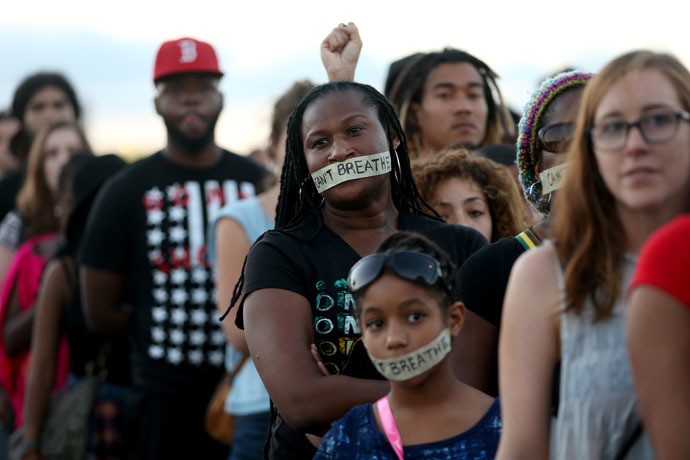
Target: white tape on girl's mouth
(417,362)
(350,169)
(552,178)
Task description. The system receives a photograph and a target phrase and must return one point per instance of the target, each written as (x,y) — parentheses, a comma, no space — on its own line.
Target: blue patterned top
(356,437)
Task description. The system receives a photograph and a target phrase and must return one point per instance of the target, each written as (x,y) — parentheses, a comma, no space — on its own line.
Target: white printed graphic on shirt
(184,323)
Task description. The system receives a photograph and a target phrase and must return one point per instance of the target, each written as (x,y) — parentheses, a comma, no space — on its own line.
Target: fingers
(353,33)
(317,358)
(337,39)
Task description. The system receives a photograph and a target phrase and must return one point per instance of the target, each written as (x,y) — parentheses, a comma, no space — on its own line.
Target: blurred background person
(9,126)
(237,226)
(38,201)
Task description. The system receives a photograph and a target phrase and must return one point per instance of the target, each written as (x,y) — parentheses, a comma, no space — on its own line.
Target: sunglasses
(556,137)
(409,265)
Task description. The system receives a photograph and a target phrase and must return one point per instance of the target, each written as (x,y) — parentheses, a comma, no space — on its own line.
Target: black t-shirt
(149,223)
(483,278)
(314,262)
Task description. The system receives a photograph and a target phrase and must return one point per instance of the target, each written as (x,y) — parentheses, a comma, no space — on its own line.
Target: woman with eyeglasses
(545,132)
(346,185)
(628,174)
(407,316)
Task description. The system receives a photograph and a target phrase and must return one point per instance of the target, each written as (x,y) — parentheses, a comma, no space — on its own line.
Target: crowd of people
(413,274)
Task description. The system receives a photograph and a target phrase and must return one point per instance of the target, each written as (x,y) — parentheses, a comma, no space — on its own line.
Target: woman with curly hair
(472,191)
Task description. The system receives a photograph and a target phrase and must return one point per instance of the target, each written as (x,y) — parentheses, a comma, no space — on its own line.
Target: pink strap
(390,429)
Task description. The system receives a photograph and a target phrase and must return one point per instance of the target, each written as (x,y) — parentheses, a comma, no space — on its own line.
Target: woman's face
(562,109)
(642,175)
(460,201)
(340,126)
(47,106)
(453,111)
(59,146)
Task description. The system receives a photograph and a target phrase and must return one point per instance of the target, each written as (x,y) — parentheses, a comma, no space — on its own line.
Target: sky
(107,49)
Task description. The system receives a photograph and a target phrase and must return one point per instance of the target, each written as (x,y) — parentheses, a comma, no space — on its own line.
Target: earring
(307,201)
(397,173)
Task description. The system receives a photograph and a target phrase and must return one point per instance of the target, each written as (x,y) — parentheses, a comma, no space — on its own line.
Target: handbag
(219,424)
(65,431)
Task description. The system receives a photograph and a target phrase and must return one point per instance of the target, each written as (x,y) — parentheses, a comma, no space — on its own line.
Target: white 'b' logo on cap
(188,50)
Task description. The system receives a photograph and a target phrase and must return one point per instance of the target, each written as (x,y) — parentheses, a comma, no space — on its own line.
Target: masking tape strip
(552,179)
(350,169)
(416,362)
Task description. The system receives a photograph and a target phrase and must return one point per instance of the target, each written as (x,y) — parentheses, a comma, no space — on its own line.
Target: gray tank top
(597,412)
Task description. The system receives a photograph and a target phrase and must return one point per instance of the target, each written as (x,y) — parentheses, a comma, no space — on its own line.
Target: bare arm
(6,256)
(528,350)
(52,300)
(658,331)
(102,293)
(340,52)
(279,331)
(232,245)
(474,352)
(18,324)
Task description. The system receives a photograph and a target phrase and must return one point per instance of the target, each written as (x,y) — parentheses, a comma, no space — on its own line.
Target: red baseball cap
(185,55)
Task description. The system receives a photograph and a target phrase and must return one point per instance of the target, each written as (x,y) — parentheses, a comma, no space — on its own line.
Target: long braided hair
(408,89)
(298,196)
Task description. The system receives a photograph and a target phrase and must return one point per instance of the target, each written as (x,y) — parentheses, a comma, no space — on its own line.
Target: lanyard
(389,427)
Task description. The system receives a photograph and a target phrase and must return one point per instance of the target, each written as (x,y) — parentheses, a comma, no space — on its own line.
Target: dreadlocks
(298,195)
(409,88)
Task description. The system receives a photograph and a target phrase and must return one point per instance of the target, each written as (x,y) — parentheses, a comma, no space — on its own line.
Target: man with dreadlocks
(546,130)
(449,98)
(345,186)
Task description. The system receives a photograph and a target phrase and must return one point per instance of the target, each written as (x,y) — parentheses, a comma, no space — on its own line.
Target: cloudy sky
(107,49)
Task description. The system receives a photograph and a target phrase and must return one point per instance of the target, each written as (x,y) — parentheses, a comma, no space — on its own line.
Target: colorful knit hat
(528,152)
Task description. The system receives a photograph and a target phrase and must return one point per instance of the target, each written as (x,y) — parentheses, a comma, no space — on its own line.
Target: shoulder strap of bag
(390,429)
(239,366)
(529,239)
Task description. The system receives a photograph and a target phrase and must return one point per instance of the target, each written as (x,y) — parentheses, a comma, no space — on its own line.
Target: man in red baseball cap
(145,246)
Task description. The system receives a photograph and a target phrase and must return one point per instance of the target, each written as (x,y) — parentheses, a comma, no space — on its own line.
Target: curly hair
(528,149)
(507,209)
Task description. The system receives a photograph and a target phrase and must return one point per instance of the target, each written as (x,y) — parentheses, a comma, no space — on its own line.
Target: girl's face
(642,175)
(59,146)
(453,111)
(46,107)
(460,201)
(340,126)
(397,317)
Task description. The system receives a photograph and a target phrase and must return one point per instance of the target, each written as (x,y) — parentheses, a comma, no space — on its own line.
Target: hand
(340,52)
(317,358)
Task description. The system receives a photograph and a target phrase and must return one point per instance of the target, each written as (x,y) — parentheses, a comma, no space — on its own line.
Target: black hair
(412,241)
(409,89)
(396,71)
(298,196)
(36,82)
(296,186)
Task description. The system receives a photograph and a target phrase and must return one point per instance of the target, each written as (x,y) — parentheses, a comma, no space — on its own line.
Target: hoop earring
(533,194)
(397,173)
(307,201)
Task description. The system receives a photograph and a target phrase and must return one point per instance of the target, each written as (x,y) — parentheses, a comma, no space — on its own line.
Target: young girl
(629,174)
(407,318)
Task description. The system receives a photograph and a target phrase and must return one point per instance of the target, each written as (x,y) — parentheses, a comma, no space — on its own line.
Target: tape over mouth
(353,168)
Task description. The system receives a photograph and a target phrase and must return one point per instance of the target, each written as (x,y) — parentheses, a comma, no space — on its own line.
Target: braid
(298,195)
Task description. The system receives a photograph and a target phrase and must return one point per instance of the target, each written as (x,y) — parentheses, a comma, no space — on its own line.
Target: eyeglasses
(655,129)
(556,137)
(409,265)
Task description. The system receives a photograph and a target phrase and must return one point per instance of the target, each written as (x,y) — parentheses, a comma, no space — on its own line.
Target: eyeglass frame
(679,115)
(543,129)
(388,261)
